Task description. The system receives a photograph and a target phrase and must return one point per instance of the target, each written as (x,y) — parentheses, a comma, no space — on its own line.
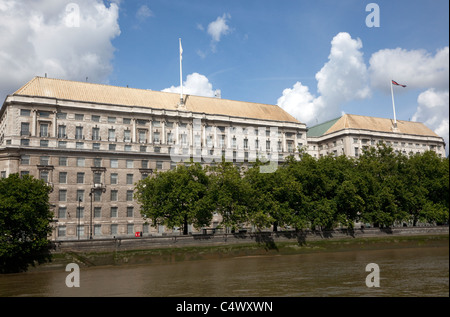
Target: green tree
(25,219)
(427,188)
(382,187)
(231,196)
(176,198)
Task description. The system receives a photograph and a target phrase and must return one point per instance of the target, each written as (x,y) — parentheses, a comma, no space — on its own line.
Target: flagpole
(393,105)
(181,74)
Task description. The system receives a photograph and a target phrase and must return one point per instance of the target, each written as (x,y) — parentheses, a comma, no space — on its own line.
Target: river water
(402,272)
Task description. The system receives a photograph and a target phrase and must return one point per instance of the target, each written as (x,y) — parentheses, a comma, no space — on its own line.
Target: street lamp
(79,217)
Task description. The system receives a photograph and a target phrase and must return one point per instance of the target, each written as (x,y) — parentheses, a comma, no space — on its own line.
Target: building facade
(350,134)
(91,143)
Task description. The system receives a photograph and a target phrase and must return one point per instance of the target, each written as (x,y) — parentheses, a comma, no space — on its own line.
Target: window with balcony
(112,135)
(79,133)
(95,134)
(127,136)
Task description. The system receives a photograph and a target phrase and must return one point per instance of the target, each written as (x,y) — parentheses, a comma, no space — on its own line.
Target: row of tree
(380,187)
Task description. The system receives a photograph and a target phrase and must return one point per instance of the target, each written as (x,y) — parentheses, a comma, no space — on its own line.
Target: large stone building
(350,134)
(93,142)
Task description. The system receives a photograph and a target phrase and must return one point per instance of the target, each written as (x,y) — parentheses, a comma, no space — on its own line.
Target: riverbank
(171,249)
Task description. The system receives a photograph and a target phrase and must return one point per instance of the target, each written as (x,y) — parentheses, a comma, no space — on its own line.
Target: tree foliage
(25,219)
(381,188)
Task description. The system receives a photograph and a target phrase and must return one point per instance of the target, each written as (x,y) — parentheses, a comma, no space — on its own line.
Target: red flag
(397,84)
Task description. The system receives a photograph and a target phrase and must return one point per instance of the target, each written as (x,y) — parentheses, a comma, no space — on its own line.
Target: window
(24,128)
(144,163)
(25,112)
(61,115)
(97,212)
(79,145)
(25,160)
(24,142)
(62,195)
(80,195)
(62,211)
(111,135)
(80,212)
(156,138)
(111,119)
(96,134)
(112,147)
(142,148)
(97,162)
(96,146)
(156,124)
(97,230)
(127,136)
(43,143)
(80,178)
(114,178)
(80,161)
(130,228)
(127,147)
(62,132)
(62,144)
(114,163)
(159,165)
(63,177)
(79,117)
(129,179)
(97,195)
(114,213)
(97,178)
(44,114)
(130,211)
(129,163)
(129,195)
(142,135)
(170,138)
(113,229)
(267,145)
(43,130)
(114,195)
(61,231)
(45,160)
(95,118)
(126,121)
(356,151)
(62,161)
(79,133)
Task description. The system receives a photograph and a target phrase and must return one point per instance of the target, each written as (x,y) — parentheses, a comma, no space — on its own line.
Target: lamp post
(79,217)
(90,223)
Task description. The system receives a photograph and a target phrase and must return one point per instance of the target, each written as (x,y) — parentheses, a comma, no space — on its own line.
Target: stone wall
(175,241)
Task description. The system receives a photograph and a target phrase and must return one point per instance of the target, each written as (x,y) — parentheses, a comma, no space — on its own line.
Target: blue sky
(316,59)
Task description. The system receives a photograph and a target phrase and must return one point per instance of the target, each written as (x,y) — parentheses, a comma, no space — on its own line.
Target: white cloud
(68,40)
(195,84)
(343,78)
(418,69)
(219,27)
(433,111)
(144,12)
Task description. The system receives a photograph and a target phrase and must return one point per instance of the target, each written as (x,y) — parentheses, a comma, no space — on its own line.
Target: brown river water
(403,272)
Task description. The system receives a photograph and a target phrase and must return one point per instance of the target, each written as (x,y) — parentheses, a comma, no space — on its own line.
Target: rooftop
(351,121)
(114,95)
